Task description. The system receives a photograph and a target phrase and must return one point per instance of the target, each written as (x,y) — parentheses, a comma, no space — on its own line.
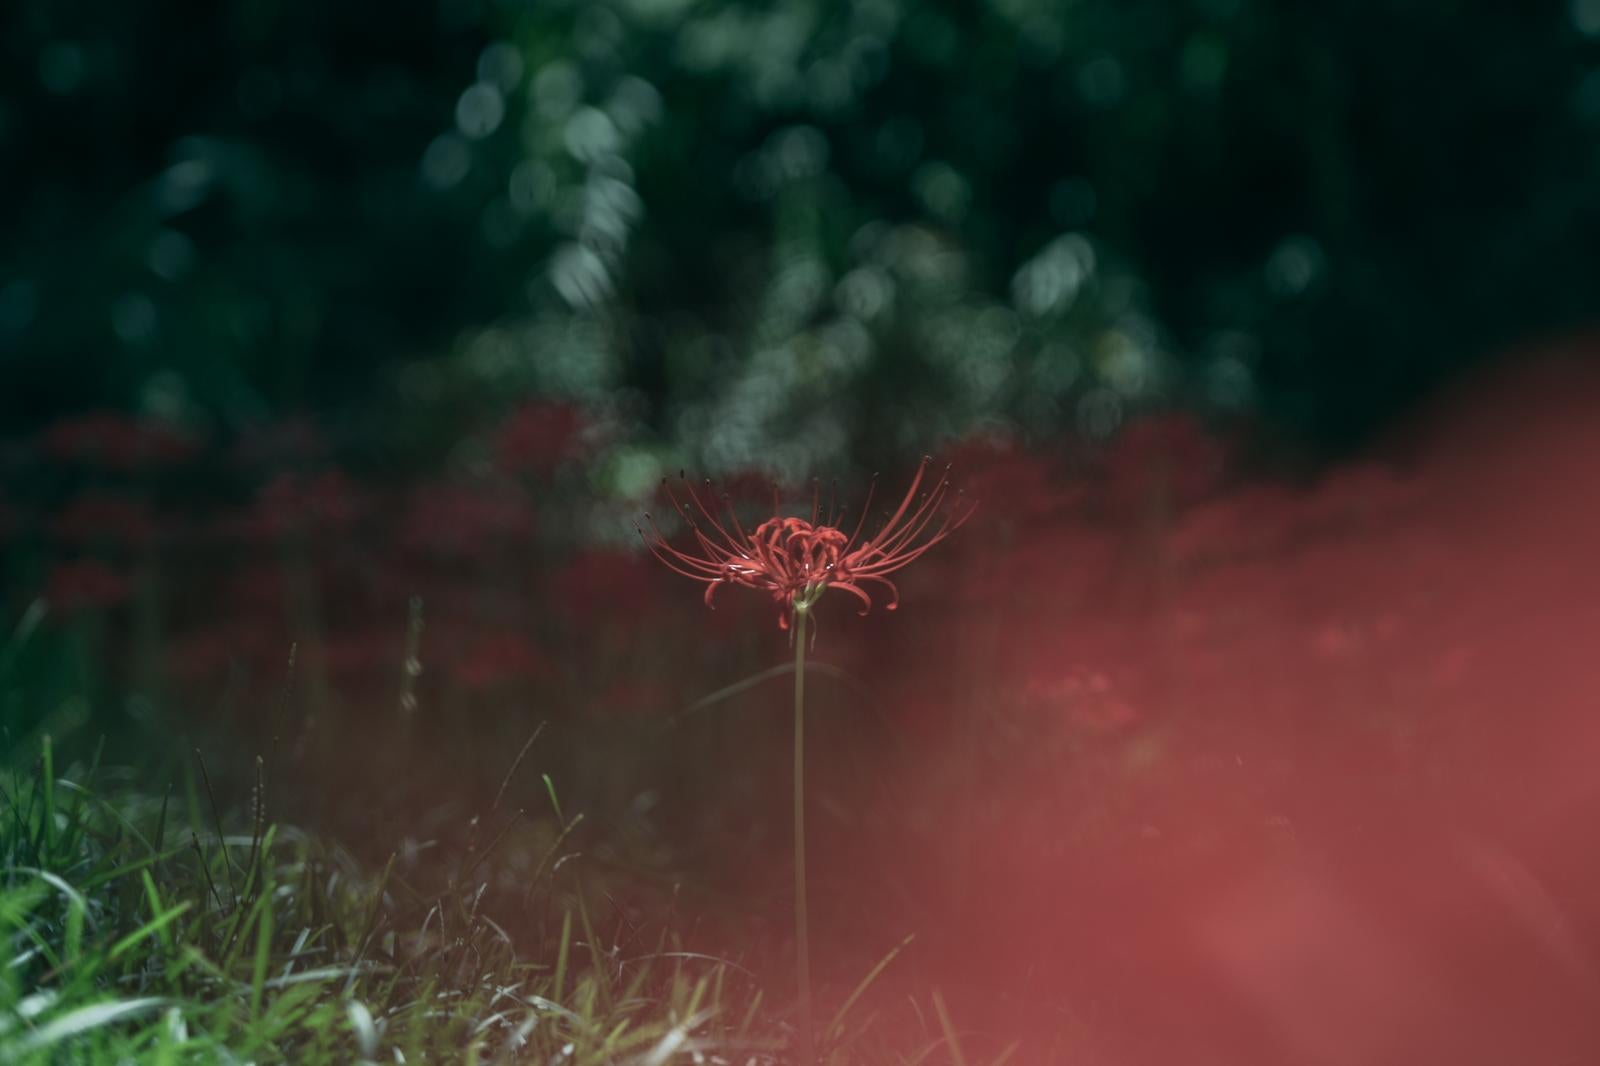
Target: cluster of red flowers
(269,543)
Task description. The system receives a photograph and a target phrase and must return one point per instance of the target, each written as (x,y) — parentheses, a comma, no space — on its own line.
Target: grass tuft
(273,946)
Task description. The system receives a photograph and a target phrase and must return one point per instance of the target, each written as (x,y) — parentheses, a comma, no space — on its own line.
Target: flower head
(794,559)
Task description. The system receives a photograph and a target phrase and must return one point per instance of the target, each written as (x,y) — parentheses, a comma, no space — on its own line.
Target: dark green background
(220,212)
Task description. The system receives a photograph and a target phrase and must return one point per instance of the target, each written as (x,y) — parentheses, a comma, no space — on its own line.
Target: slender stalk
(802,941)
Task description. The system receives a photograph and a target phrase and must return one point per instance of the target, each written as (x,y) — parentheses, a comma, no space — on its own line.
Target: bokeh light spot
(480,111)
(446,161)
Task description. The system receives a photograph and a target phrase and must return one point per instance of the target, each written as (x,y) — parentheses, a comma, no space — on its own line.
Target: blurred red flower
(1015,484)
(1357,493)
(1252,521)
(602,581)
(464,520)
(1089,699)
(1168,460)
(500,659)
(292,504)
(363,654)
(539,437)
(116,441)
(257,586)
(85,584)
(630,696)
(105,518)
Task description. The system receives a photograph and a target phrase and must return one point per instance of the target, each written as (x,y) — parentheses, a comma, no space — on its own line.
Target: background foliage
(790,230)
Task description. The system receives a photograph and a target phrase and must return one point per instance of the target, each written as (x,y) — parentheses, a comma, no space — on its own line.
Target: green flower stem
(808,1051)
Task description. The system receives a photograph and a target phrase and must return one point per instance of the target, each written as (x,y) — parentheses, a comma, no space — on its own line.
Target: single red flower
(795,559)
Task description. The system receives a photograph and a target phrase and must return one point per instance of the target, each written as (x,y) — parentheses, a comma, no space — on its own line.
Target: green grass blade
(148,929)
(83,1020)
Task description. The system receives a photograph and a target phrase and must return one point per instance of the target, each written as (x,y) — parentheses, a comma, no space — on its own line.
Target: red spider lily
(796,559)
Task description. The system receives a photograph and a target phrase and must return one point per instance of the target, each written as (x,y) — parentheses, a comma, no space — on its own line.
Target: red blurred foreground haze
(1162,761)
(1292,776)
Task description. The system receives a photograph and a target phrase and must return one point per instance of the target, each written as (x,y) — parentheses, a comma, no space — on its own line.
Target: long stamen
(727,552)
(675,560)
(901,550)
(903,555)
(908,537)
(866,508)
(733,516)
(911,491)
(721,552)
(888,541)
(888,537)
(687,565)
(710,517)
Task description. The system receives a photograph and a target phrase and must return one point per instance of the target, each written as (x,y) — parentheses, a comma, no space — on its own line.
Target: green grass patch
(127,937)
(133,933)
